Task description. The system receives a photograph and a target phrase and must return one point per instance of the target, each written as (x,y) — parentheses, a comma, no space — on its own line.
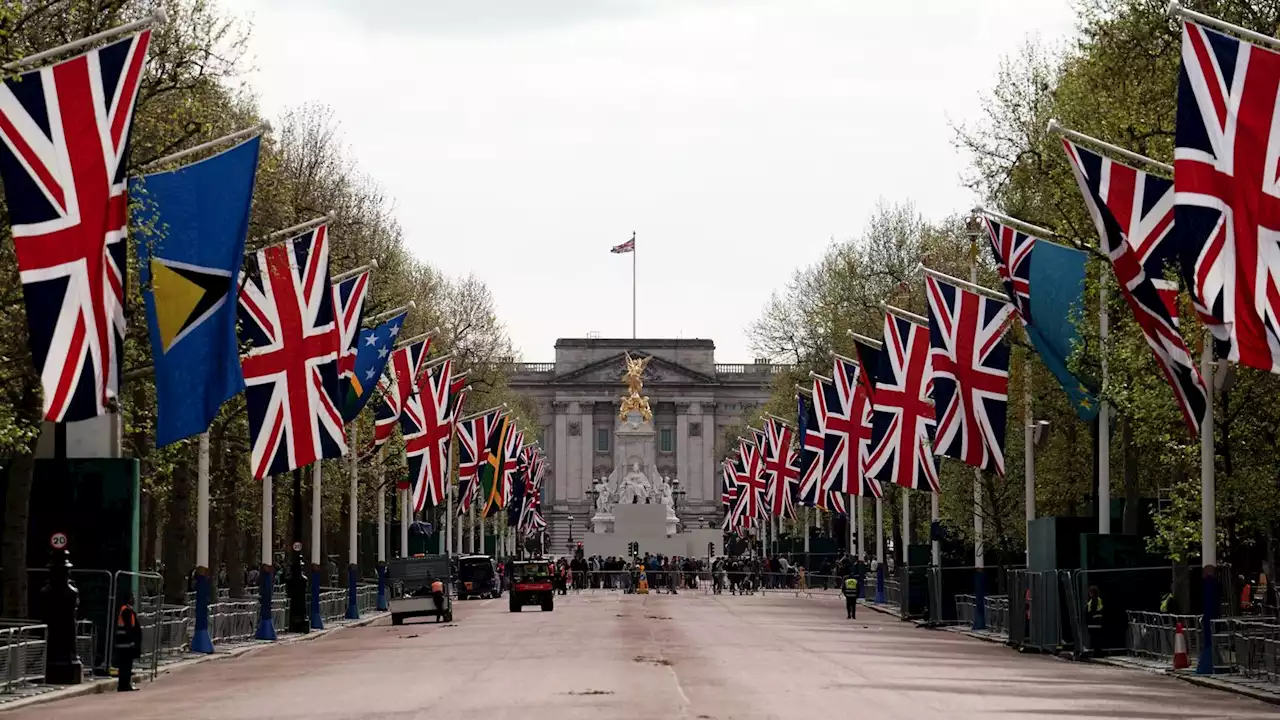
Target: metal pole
(157,17)
(906,525)
(319,572)
(879,530)
(1208,515)
(201,641)
(861,522)
(1104,425)
(1029,449)
(448,517)
(475,529)
(266,627)
(382,525)
(634,252)
(353,546)
(232,138)
(933,518)
(808,515)
(299,621)
(404,523)
(979,561)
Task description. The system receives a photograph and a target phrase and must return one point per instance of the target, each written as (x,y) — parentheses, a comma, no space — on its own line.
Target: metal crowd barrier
(97,593)
(892,589)
(366,598)
(23,653)
(998,614)
(333,604)
(233,620)
(966,608)
(1255,646)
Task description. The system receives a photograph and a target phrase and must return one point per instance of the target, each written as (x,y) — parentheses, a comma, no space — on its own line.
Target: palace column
(710,473)
(683,447)
(579,483)
(560,454)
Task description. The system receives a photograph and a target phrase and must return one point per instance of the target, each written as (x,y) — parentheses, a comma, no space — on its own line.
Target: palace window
(602,439)
(666,440)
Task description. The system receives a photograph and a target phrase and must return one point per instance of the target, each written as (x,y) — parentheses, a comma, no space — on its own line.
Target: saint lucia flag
(190,226)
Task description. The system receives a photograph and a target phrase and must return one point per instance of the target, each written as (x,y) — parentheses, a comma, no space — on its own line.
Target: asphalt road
(657,656)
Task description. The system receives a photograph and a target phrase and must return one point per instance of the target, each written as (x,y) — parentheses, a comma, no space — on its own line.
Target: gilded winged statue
(634,378)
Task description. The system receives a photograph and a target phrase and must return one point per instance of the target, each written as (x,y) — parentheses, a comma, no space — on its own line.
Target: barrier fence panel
(1120,591)
(96,592)
(366,598)
(892,590)
(965,606)
(23,653)
(157,623)
(333,604)
(998,614)
(233,621)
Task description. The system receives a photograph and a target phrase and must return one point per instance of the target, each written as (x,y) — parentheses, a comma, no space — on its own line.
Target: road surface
(610,656)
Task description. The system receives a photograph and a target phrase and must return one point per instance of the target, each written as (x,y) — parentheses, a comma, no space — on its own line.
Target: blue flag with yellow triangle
(190,225)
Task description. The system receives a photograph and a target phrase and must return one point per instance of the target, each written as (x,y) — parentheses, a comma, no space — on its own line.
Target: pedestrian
(1093,616)
(851,596)
(1166,602)
(128,642)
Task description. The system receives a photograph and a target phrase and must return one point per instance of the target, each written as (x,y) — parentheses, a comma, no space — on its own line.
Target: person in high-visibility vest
(1166,602)
(1093,616)
(851,596)
(128,642)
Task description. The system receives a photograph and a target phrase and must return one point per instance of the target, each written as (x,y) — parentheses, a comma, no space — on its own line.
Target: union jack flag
(427,426)
(348,313)
(728,485)
(396,385)
(751,488)
(969,372)
(65,131)
(904,419)
(813,447)
(844,411)
(780,475)
(1012,249)
(473,441)
(1227,191)
(1133,211)
(291,372)
(511,465)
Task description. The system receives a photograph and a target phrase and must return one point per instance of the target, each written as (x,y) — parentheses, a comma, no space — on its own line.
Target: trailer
(411,595)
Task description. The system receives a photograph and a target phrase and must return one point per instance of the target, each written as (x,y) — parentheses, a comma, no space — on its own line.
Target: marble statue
(602,499)
(634,486)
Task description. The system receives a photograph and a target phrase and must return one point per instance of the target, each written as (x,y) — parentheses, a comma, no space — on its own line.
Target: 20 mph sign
(58,541)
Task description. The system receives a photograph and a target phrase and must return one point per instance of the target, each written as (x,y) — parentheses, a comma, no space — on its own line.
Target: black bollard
(296,585)
(59,600)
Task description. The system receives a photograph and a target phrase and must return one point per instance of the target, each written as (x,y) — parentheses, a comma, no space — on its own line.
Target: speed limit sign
(297,547)
(58,541)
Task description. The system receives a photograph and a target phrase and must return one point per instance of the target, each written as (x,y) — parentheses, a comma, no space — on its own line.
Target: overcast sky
(521,139)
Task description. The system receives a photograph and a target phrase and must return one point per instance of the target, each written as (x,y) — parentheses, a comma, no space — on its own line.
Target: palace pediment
(610,370)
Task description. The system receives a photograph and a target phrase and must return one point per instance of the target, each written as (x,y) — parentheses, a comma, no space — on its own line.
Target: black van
(478,577)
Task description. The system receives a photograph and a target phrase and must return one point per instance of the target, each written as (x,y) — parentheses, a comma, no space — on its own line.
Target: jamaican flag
(491,469)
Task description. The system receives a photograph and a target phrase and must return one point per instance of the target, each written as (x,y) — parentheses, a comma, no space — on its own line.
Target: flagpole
(1104,426)
(382,534)
(979,557)
(1029,447)
(201,641)
(634,252)
(353,545)
(157,17)
(1208,514)
(317,509)
(266,627)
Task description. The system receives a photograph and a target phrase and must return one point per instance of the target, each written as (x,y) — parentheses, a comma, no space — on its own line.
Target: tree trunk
(13,547)
(1129,525)
(179,545)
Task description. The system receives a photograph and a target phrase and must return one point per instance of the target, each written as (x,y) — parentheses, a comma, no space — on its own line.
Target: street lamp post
(677,492)
(570,532)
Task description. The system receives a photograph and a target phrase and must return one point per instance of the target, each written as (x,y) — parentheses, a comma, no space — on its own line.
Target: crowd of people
(732,574)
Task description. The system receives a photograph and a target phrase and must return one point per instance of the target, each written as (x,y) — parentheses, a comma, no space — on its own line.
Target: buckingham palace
(693,397)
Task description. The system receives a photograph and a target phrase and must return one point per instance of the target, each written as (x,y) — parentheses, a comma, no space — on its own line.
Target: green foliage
(193,92)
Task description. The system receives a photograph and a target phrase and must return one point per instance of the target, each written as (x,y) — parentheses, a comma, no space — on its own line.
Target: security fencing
(966,606)
(23,654)
(333,604)
(1255,646)
(998,614)
(366,598)
(1119,592)
(96,592)
(892,590)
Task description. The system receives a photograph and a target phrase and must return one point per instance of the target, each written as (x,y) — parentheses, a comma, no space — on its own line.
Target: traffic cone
(1180,660)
